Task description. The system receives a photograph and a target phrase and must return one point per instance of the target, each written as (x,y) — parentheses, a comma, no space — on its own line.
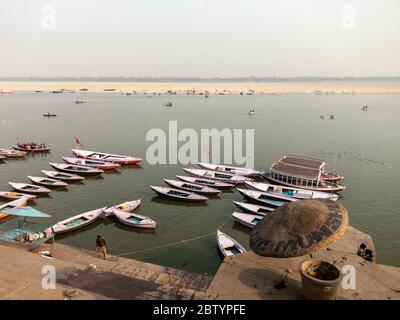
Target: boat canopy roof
(303,161)
(25,212)
(297,171)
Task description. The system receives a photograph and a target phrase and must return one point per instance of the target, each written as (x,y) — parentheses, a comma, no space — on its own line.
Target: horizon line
(198,79)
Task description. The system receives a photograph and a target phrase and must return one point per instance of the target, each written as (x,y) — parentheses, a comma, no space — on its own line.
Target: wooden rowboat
(108,157)
(297,193)
(216,175)
(178,194)
(77,222)
(63,176)
(48,182)
(234,170)
(254,208)
(10,153)
(103,165)
(192,187)
(128,206)
(247,219)
(9,195)
(30,149)
(228,246)
(10,205)
(206,182)
(71,168)
(265,198)
(29,188)
(134,219)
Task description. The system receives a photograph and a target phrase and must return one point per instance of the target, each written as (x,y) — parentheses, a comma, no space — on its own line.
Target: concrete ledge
(250,276)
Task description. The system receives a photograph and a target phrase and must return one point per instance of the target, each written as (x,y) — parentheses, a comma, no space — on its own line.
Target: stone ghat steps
(122,278)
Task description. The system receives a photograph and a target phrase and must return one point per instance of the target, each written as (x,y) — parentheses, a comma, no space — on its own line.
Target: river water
(363,146)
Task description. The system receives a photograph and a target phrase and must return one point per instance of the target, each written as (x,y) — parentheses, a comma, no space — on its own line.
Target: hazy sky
(202,38)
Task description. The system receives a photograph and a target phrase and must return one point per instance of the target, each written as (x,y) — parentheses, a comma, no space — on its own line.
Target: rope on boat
(174,243)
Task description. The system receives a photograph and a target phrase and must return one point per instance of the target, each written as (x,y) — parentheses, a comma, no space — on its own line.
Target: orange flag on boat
(78,142)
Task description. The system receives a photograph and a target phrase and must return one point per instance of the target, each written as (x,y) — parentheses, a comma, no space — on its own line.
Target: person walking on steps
(101,247)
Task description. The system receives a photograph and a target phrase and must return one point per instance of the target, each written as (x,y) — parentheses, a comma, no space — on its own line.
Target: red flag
(78,142)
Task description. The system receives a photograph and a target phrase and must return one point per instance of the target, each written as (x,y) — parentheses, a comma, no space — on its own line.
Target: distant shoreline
(201,88)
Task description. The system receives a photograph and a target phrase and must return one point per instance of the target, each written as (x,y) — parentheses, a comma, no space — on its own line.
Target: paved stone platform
(251,276)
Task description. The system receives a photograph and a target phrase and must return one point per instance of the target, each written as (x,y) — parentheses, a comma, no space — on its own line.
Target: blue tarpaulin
(25,212)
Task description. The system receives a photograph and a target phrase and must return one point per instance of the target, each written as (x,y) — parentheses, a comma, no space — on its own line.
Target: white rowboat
(77,222)
(178,194)
(192,187)
(216,175)
(254,208)
(29,188)
(134,219)
(116,158)
(206,182)
(48,182)
(228,246)
(63,176)
(228,169)
(297,193)
(246,219)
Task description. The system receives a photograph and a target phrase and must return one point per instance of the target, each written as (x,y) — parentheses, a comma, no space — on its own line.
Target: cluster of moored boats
(290,179)
(123,212)
(298,178)
(75,169)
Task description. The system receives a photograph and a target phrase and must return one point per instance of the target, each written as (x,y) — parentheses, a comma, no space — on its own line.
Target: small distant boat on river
(228,246)
(29,188)
(31,147)
(92,163)
(77,222)
(80,101)
(49,115)
(48,182)
(206,182)
(192,187)
(63,176)
(76,169)
(233,170)
(178,194)
(254,208)
(247,219)
(217,175)
(108,157)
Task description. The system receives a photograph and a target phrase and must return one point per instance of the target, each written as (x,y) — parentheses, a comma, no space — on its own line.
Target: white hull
(297,193)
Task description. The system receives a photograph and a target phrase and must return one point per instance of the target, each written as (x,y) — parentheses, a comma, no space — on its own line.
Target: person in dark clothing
(101,247)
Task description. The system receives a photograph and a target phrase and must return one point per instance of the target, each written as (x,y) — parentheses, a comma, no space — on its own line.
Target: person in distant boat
(101,247)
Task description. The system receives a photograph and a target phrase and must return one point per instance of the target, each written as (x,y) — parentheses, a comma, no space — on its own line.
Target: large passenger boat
(304,173)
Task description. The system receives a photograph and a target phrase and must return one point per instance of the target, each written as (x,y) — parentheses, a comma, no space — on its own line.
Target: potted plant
(319,279)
